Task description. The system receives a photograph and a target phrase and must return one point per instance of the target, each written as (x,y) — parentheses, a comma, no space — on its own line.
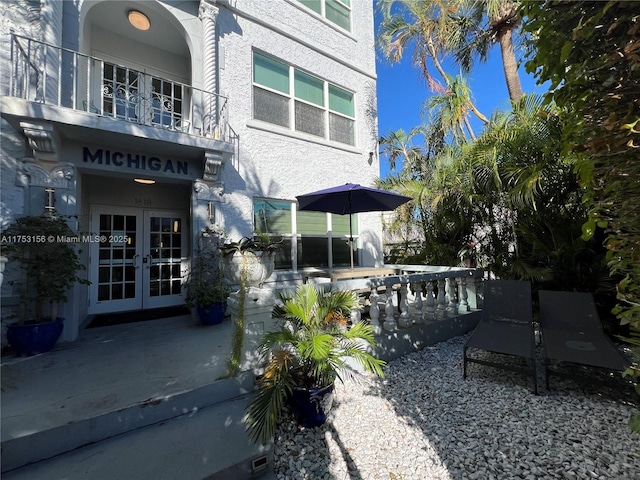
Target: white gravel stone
(424,422)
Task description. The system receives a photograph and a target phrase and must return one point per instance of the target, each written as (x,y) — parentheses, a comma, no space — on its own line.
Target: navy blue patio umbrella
(348,199)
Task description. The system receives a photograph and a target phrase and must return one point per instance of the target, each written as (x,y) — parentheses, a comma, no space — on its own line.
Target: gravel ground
(423,421)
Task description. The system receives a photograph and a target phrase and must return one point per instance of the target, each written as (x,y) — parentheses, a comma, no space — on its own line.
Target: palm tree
(429,26)
(475,37)
(449,111)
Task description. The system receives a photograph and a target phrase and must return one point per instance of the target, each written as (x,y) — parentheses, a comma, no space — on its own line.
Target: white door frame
(137,270)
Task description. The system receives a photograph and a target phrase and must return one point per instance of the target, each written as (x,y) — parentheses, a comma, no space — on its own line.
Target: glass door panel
(138,261)
(115,276)
(167,254)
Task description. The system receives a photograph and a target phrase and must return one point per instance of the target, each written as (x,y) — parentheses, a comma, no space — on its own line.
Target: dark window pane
(105,222)
(341,256)
(270,107)
(313,252)
(104,275)
(116,291)
(309,119)
(118,222)
(103,292)
(129,290)
(283,254)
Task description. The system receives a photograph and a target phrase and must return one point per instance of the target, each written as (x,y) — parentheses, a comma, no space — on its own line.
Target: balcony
(45,74)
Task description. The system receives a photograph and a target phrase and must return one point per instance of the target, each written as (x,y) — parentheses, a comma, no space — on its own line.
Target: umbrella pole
(351,240)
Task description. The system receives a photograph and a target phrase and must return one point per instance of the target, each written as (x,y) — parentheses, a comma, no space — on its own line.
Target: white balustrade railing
(434,299)
(422,295)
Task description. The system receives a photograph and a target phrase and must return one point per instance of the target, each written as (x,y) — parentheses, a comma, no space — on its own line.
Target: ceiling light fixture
(139,20)
(144,181)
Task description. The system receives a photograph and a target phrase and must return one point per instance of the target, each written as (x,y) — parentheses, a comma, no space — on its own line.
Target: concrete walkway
(110,368)
(166,370)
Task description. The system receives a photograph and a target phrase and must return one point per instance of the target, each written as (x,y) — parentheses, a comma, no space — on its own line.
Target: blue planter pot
(212,314)
(311,406)
(35,338)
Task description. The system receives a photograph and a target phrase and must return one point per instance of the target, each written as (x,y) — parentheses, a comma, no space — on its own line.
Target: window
(282,93)
(336,11)
(320,239)
(139,97)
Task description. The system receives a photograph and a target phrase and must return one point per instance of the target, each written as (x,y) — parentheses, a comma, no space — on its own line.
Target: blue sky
(401,92)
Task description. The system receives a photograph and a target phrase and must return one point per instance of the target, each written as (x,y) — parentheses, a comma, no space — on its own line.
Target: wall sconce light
(49,200)
(139,20)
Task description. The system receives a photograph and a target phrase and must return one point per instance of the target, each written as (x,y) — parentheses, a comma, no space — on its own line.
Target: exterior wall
(262,160)
(279,163)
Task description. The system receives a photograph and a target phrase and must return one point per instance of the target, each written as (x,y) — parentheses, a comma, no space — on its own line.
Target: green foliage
(310,349)
(590,52)
(260,242)
(49,265)
(205,283)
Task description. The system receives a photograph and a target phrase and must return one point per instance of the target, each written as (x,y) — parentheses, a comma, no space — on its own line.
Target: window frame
(295,237)
(293,99)
(323,12)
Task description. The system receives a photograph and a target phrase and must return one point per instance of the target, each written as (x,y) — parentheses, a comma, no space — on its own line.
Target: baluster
(405,318)
(389,311)
(374,311)
(355,314)
(441,300)
(462,290)
(430,303)
(452,308)
(417,303)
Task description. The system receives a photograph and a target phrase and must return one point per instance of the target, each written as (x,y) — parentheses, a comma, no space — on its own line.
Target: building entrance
(137,260)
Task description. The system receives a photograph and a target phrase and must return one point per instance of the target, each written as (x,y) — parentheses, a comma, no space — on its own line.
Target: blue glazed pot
(212,314)
(311,406)
(34,338)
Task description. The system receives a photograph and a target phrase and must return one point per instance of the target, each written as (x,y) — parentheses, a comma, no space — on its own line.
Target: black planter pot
(34,338)
(212,314)
(311,406)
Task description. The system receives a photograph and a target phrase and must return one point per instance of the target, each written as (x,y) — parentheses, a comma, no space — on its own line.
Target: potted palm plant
(306,355)
(48,267)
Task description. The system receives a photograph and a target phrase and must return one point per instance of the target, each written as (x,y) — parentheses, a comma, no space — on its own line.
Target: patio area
(424,422)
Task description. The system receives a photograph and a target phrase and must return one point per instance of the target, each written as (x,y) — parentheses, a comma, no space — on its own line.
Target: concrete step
(23,445)
(204,443)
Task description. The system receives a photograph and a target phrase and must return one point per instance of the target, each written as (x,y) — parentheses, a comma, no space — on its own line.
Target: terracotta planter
(259,266)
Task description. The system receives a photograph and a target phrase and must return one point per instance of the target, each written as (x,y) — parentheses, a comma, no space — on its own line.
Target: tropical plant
(589,52)
(260,242)
(48,263)
(205,282)
(309,349)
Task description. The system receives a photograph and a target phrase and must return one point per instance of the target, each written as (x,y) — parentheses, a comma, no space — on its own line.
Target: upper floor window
(291,98)
(336,11)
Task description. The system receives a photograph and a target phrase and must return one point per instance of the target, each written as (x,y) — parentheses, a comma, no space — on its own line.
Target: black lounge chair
(572,333)
(506,327)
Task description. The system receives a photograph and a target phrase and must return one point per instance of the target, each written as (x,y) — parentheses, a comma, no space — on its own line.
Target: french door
(137,260)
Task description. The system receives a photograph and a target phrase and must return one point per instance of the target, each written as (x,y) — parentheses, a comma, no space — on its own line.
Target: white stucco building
(225,110)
